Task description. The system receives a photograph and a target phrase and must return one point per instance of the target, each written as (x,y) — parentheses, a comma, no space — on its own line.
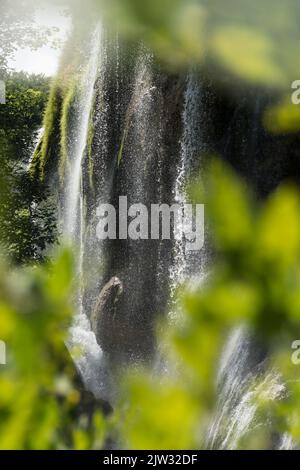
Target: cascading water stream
(236,409)
(89,363)
(191,147)
(73,193)
(35,146)
(240,366)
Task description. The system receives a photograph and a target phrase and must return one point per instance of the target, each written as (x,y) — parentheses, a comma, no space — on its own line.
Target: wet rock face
(103,319)
(140,124)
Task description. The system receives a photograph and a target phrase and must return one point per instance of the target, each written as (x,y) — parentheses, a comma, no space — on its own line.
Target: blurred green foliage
(237,43)
(253,40)
(282,117)
(40,396)
(254,282)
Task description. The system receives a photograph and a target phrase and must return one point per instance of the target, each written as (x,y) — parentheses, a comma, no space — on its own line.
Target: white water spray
(190,145)
(90,362)
(73,194)
(239,393)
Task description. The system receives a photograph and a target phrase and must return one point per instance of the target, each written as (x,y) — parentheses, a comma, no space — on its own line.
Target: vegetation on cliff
(56,147)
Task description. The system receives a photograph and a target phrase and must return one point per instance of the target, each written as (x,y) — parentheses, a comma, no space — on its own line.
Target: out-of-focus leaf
(164,415)
(283,117)
(248,53)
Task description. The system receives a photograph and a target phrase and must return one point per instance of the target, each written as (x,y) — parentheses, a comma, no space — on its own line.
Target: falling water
(90,363)
(143,142)
(235,409)
(287,443)
(36,143)
(74,193)
(190,150)
(241,361)
(239,392)
(243,418)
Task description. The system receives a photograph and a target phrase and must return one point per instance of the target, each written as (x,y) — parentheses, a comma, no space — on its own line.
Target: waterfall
(238,392)
(191,148)
(242,361)
(143,130)
(89,361)
(131,156)
(74,192)
(234,384)
(287,443)
(36,143)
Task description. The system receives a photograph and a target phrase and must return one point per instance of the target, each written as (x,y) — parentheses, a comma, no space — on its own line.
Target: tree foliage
(27,213)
